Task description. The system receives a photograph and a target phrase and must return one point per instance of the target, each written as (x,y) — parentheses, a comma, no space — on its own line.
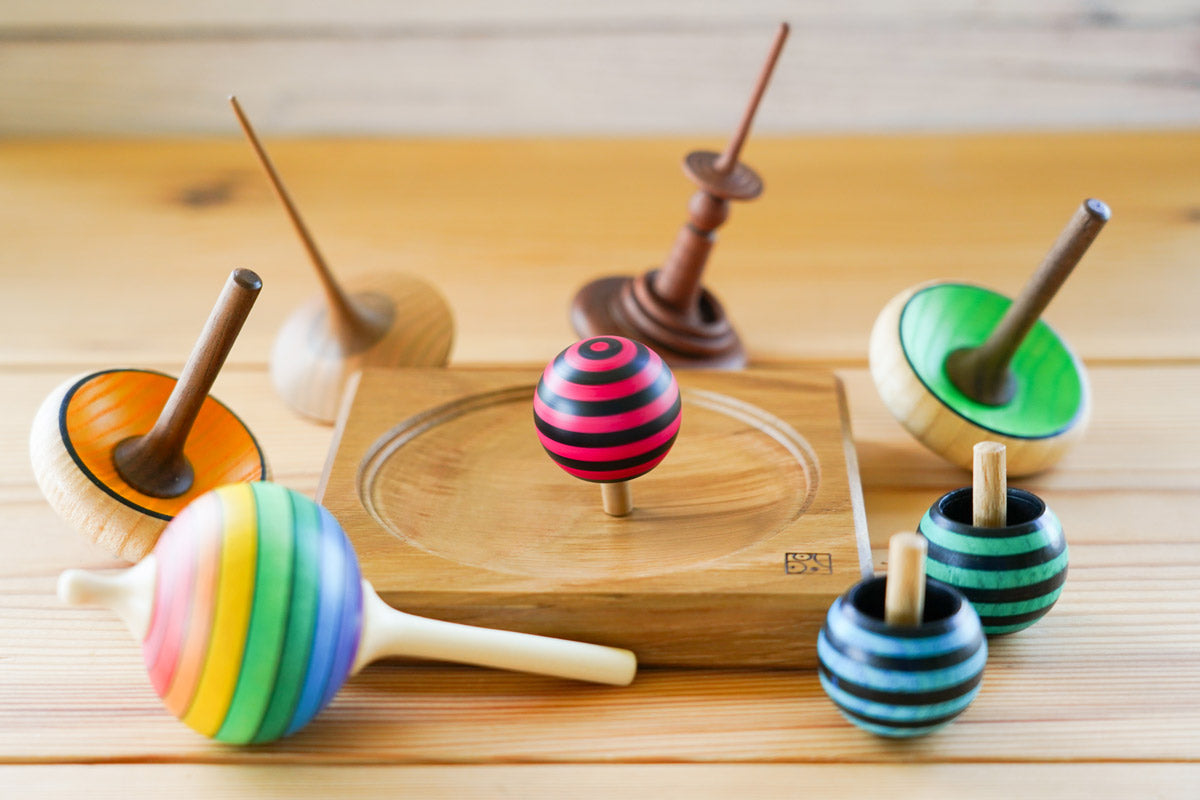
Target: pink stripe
(615,475)
(609,391)
(612,423)
(611,453)
(619,359)
(177,570)
(167,576)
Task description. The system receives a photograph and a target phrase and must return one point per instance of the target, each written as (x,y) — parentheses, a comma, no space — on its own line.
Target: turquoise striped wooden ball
(1012,575)
(901,681)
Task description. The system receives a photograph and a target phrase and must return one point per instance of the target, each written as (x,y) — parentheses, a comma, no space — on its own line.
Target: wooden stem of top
(354,328)
(617,498)
(154,463)
(733,150)
(904,598)
(989,493)
(388,632)
(982,373)
(678,282)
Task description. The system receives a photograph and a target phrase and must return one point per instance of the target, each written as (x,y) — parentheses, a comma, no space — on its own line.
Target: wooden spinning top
(118,453)
(607,409)
(668,308)
(956,363)
(901,655)
(252,613)
(1003,548)
(388,319)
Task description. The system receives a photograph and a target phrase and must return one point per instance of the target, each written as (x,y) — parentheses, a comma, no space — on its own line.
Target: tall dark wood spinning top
(668,308)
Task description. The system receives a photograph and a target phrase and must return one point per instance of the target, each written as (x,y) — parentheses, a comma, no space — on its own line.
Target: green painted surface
(940,319)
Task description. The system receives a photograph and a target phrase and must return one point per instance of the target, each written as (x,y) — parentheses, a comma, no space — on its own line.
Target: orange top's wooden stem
(154,463)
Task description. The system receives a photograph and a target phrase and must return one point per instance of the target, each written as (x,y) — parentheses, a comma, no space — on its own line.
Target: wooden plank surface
(535,67)
(1108,676)
(843,226)
(941,782)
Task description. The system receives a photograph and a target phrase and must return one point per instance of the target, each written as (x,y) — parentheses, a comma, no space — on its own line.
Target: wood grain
(783,272)
(1100,699)
(431,782)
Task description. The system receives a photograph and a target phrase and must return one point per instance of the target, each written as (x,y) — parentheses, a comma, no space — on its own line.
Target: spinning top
(118,453)
(669,308)
(957,363)
(1002,548)
(607,410)
(901,656)
(389,320)
(252,613)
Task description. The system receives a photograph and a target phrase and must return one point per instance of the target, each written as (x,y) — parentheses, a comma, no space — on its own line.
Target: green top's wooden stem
(981,373)
(154,463)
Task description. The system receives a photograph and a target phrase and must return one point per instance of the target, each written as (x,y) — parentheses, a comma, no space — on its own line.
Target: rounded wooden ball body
(257,613)
(76,430)
(402,321)
(1012,575)
(911,339)
(901,681)
(607,409)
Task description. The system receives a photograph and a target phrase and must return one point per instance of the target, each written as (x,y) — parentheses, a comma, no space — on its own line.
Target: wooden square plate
(739,542)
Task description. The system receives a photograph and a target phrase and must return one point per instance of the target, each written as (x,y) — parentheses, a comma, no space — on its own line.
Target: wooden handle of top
(129,593)
(729,157)
(989,492)
(154,463)
(904,598)
(388,632)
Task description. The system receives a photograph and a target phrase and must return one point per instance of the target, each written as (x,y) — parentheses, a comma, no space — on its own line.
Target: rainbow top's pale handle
(252,613)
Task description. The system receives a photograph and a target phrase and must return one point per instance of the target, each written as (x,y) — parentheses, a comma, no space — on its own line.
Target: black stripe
(898,664)
(1014,619)
(604,408)
(627,436)
(1033,558)
(902,698)
(613,466)
(599,378)
(1016,593)
(900,724)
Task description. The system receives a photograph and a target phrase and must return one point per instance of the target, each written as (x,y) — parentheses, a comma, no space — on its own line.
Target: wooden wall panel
(469,67)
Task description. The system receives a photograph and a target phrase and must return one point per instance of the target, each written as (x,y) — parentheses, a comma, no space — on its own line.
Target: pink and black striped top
(607,409)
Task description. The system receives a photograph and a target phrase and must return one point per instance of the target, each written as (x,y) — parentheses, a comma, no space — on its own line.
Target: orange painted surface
(111,406)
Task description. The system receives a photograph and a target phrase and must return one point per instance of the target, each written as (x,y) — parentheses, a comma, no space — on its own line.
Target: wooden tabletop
(113,252)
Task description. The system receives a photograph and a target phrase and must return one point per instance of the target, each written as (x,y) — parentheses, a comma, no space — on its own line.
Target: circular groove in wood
(467,481)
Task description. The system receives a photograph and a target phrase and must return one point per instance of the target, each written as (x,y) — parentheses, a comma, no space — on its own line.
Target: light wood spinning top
(252,613)
(668,308)
(902,655)
(118,453)
(385,319)
(956,363)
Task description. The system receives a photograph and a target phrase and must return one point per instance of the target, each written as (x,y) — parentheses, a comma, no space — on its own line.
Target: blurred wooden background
(548,67)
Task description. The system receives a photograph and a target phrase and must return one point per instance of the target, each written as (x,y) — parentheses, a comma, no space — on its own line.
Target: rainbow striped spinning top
(607,409)
(257,613)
